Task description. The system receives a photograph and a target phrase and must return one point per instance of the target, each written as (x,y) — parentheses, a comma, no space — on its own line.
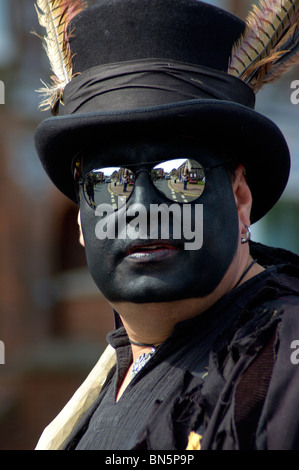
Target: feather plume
(269,46)
(55,16)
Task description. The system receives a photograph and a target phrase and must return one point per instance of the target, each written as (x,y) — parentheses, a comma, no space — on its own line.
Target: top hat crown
(182,30)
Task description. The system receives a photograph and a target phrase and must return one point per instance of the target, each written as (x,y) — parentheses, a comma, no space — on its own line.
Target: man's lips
(151,251)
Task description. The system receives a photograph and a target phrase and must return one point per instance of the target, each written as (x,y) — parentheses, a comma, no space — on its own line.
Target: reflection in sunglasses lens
(180,180)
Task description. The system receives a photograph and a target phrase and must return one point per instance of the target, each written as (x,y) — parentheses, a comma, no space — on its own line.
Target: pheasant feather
(55,16)
(269,46)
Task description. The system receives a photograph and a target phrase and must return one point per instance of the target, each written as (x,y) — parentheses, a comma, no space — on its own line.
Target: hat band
(150,82)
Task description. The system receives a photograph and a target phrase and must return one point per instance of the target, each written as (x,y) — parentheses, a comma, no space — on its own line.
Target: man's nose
(144,192)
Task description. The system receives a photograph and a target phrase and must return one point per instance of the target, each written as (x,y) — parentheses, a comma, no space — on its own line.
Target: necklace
(245,272)
(141,361)
(141,344)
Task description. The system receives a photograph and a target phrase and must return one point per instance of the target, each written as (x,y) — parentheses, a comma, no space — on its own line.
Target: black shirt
(168,398)
(244,400)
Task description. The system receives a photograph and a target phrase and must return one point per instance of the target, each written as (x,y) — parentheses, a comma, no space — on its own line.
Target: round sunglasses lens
(105,185)
(180,180)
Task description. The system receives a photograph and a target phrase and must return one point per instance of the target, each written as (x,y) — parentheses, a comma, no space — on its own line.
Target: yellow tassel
(194,442)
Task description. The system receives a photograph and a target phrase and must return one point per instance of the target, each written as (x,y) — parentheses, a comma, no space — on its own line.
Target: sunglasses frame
(80,181)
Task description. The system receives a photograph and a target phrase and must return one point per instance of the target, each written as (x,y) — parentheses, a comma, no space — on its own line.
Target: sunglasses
(178,180)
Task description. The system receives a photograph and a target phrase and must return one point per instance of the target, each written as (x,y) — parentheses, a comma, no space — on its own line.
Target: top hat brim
(243,133)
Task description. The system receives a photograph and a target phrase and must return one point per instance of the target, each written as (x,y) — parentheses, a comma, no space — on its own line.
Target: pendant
(140,362)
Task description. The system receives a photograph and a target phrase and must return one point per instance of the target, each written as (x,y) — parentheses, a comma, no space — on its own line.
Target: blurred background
(53,320)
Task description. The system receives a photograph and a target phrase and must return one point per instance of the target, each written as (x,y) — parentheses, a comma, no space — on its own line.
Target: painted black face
(136,260)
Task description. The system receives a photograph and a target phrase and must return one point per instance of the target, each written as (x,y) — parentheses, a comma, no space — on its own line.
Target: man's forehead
(136,151)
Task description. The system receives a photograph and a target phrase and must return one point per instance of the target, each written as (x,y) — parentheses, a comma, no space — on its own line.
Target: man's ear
(242,195)
(81,239)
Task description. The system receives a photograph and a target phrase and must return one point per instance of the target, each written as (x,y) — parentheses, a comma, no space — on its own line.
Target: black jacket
(230,375)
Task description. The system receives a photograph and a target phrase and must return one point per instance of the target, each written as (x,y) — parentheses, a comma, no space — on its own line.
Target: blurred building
(53,320)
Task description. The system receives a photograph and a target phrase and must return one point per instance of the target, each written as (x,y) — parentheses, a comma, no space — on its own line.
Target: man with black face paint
(204,318)
(147,269)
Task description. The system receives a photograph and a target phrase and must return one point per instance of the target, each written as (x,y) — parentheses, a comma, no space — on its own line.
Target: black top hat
(152,67)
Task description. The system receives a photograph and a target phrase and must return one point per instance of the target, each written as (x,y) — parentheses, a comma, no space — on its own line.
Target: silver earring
(248,235)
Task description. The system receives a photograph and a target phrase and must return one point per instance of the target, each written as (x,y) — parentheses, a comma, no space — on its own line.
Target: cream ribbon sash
(57,432)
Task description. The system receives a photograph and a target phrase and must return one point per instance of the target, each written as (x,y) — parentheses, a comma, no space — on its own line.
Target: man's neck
(153,323)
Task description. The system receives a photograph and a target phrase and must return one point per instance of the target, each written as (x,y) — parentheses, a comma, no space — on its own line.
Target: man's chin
(149,295)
